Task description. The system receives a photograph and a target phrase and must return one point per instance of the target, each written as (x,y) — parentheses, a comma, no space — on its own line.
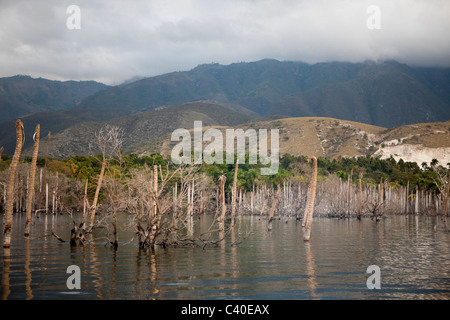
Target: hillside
(23,95)
(386,94)
(142,128)
(149,132)
(54,121)
(333,138)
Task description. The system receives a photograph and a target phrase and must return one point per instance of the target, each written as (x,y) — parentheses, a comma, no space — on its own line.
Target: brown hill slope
(141,127)
(149,132)
(332,138)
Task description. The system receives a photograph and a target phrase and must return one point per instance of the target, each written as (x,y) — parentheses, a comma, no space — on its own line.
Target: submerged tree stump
(32,178)
(20,138)
(309,211)
(222,206)
(274,205)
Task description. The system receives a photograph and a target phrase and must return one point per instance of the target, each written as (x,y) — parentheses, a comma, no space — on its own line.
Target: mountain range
(387,95)
(22,95)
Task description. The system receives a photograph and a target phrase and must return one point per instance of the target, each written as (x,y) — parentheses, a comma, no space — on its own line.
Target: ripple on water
(413,259)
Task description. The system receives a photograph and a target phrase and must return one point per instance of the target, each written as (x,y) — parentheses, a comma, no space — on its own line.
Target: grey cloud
(120,39)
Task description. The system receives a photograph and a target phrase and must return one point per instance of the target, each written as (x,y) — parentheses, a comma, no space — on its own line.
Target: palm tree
(434,162)
(20,138)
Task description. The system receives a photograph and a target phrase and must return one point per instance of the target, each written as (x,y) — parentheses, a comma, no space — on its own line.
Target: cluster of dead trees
(162,204)
(345,199)
(27,189)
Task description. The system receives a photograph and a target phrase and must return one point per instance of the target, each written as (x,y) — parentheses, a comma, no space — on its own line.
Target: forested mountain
(22,95)
(145,130)
(386,94)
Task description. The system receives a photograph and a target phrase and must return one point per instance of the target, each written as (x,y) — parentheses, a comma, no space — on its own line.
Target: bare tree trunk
(56,193)
(222,205)
(97,191)
(306,213)
(156,217)
(46,198)
(32,178)
(200,212)
(155,190)
(349,187)
(234,194)
(85,204)
(53,201)
(251,199)
(274,205)
(266,194)
(360,196)
(376,211)
(416,209)
(310,203)
(407,198)
(445,204)
(10,191)
(40,181)
(115,244)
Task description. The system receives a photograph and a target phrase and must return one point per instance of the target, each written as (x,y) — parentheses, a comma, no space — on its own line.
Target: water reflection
(28,269)
(310,271)
(146,275)
(95,268)
(250,263)
(5,274)
(114,274)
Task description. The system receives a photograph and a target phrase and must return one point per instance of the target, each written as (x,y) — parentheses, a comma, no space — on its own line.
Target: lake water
(413,257)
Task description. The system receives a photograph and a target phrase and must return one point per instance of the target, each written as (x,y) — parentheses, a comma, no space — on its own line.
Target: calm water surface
(414,260)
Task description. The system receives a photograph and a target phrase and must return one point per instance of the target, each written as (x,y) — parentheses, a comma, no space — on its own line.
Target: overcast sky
(122,39)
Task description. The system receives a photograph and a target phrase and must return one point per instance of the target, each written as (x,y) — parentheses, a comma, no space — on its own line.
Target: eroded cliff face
(333,138)
(417,143)
(415,153)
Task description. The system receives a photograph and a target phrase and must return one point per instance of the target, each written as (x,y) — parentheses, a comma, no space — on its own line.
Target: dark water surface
(413,258)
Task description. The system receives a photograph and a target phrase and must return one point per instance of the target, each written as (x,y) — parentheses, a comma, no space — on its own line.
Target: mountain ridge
(22,95)
(387,94)
(149,132)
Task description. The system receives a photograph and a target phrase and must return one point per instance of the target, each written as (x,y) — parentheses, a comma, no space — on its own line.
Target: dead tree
(376,208)
(148,201)
(266,196)
(349,188)
(442,181)
(20,138)
(32,178)
(360,196)
(109,141)
(407,199)
(234,194)
(222,208)
(97,191)
(274,205)
(309,211)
